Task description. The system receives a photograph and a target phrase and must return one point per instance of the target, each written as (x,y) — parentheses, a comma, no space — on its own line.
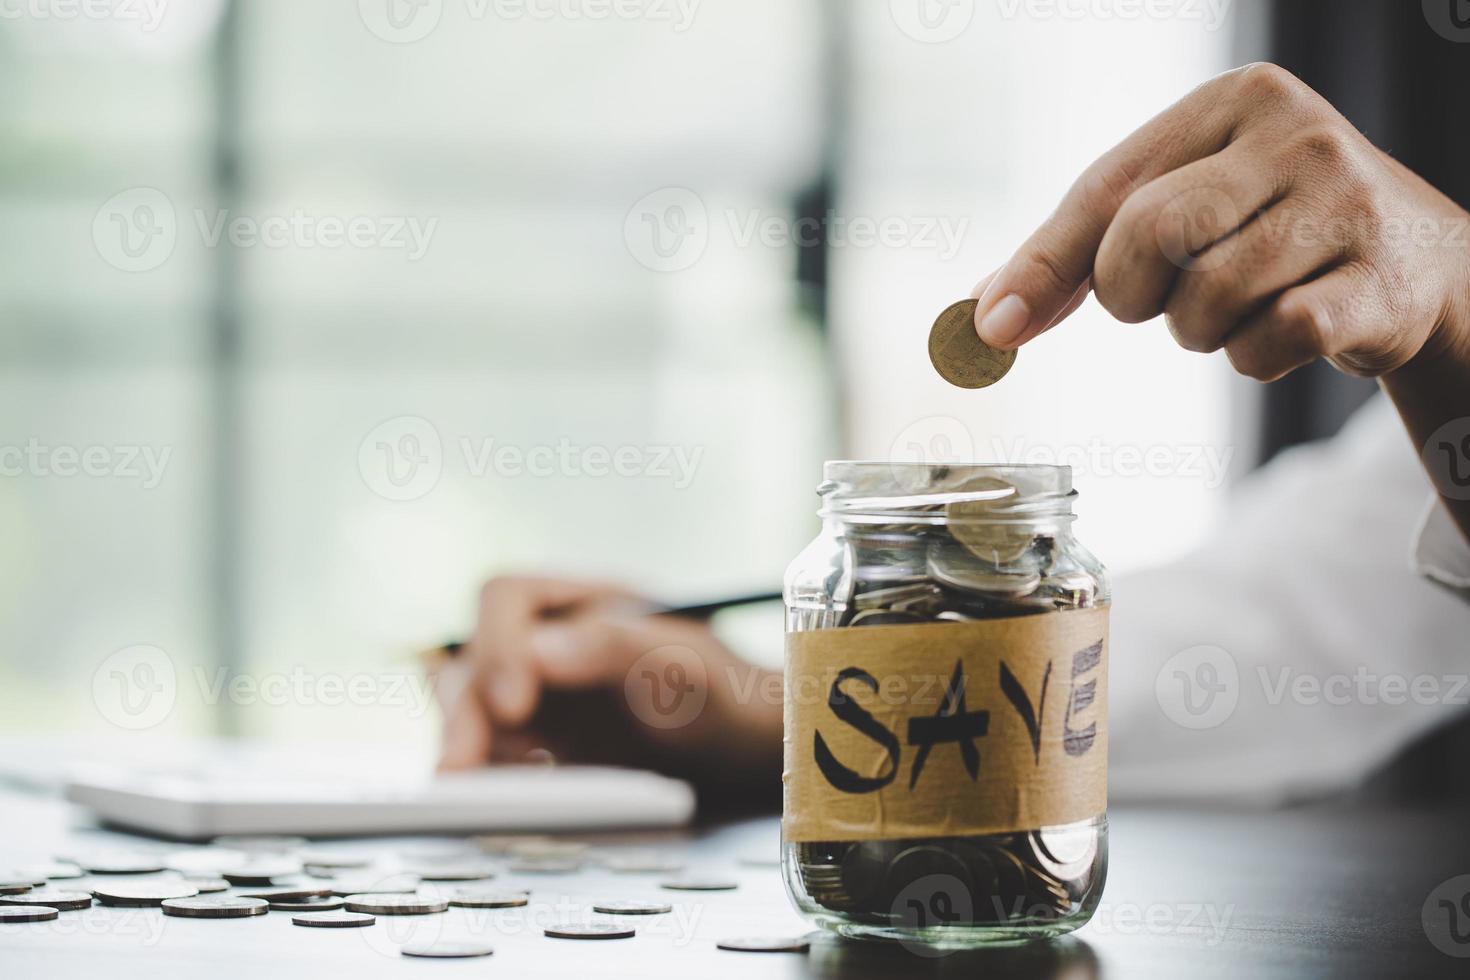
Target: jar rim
(880,491)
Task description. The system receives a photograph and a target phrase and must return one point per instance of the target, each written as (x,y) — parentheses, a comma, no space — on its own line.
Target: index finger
(1034,290)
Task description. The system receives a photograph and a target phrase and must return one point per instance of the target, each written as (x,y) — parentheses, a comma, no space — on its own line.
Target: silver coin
(215,907)
(446,949)
(546,866)
(462,872)
(374,884)
(589,930)
(27,913)
(287,894)
(17,887)
(394,903)
(489,900)
(333,920)
(50,872)
(545,849)
(208,886)
(205,860)
(766,944)
(121,866)
(143,894)
(262,872)
(316,904)
(25,876)
(967,575)
(57,898)
(699,885)
(651,864)
(260,843)
(334,859)
(632,908)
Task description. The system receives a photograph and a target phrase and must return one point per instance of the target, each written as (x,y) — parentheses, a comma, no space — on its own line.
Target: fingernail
(554,643)
(1005,322)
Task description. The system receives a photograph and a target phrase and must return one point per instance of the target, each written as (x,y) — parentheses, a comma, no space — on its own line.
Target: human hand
(1255,218)
(581,670)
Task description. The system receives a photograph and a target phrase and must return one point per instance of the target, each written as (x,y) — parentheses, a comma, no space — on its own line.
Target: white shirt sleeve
(1298,649)
(1440,551)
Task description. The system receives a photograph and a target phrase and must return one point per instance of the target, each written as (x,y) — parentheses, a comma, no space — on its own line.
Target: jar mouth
(875,491)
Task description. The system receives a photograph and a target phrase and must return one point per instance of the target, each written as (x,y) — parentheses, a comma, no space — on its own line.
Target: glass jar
(946,707)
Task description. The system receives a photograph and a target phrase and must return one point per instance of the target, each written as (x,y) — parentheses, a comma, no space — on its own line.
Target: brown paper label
(946,729)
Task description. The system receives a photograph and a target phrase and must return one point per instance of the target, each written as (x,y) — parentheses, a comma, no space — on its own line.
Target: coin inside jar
(958,353)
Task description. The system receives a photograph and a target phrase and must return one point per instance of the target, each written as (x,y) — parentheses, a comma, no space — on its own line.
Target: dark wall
(1405,85)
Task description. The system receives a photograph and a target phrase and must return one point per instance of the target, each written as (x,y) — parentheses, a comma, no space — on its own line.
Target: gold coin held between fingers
(958,353)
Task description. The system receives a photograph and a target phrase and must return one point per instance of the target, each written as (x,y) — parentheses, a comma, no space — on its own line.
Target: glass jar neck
(878,493)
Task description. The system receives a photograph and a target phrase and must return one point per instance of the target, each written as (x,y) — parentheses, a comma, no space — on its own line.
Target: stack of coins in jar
(945,762)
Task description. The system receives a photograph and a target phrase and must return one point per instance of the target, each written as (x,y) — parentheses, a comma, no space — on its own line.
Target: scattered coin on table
(354,884)
(142,894)
(215,907)
(642,865)
(121,866)
(286,894)
(50,871)
(334,859)
(57,898)
(15,887)
(546,866)
(446,949)
(27,913)
(315,903)
(266,871)
(958,353)
(205,860)
(260,843)
(208,885)
(453,872)
(395,903)
(489,899)
(766,944)
(699,885)
(589,930)
(632,908)
(333,920)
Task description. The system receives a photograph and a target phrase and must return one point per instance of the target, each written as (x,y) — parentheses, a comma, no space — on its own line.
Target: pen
(698,610)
